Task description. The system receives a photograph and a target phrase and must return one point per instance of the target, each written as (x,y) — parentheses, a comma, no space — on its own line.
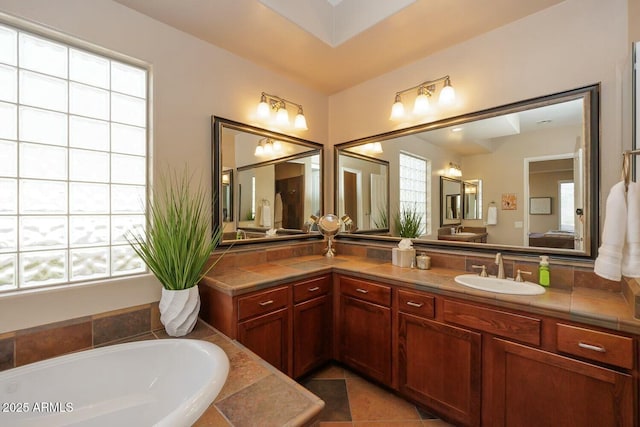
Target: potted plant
(176,245)
(408,222)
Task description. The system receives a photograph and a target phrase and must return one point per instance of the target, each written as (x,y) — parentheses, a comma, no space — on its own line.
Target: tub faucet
(500,266)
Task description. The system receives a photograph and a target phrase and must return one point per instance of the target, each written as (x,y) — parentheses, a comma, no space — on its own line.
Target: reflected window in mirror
(493,149)
(268,182)
(415,181)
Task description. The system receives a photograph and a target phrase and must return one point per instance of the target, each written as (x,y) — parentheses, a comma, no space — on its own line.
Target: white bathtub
(159,382)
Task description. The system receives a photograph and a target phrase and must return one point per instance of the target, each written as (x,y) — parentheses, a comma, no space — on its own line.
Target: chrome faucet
(500,266)
(241,234)
(459,228)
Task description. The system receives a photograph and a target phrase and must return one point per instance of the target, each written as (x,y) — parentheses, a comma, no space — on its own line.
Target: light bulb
(376,148)
(282,116)
(259,151)
(300,121)
(268,148)
(277,146)
(397,110)
(447,94)
(263,108)
(421,104)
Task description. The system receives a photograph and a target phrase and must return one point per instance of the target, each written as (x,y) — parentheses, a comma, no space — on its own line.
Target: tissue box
(403,257)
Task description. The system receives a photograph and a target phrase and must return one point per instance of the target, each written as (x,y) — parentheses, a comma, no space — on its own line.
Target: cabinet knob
(592,347)
(265,303)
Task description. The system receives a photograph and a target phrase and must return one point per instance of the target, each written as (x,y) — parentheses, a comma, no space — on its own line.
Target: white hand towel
(492,215)
(609,261)
(265,221)
(631,251)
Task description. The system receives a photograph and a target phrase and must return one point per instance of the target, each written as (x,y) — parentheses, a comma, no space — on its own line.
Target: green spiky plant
(408,222)
(177,241)
(382,221)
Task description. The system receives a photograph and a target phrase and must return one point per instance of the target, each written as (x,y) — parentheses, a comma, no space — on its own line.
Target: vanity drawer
(508,325)
(262,302)
(367,291)
(311,288)
(416,303)
(594,345)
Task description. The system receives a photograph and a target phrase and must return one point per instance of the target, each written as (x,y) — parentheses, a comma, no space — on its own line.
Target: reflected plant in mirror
(270,182)
(541,148)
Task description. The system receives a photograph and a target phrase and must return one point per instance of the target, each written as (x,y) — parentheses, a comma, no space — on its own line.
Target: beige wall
(573,44)
(191,80)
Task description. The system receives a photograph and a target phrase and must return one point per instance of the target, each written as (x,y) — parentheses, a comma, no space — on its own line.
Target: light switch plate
(518,224)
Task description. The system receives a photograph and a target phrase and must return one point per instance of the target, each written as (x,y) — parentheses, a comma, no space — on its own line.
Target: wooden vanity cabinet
(289,326)
(365,327)
(536,388)
(263,325)
(312,324)
(438,365)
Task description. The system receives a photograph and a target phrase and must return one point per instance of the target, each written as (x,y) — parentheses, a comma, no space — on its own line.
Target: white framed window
(73,162)
(415,180)
(566,206)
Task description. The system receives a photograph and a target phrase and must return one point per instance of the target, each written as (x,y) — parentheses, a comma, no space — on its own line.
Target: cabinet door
(312,334)
(365,338)
(267,337)
(532,387)
(440,366)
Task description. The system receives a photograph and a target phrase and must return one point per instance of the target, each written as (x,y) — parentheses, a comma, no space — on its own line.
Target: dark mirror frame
(591,95)
(217,124)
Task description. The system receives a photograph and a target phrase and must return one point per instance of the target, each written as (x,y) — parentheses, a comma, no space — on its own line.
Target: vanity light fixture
(267,147)
(270,103)
(454,170)
(425,91)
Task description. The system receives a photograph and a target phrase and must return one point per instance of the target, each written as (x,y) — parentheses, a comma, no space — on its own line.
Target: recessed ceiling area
(335,21)
(250,29)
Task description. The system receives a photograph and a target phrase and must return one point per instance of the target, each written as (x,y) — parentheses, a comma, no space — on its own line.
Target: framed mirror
(545,147)
(226,195)
(450,201)
(268,183)
(362,189)
(472,199)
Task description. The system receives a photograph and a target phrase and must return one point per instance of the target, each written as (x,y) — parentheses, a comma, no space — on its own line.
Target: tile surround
(33,344)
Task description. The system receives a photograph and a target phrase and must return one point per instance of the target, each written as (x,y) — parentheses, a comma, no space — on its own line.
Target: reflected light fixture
(269,103)
(267,147)
(421,105)
(454,170)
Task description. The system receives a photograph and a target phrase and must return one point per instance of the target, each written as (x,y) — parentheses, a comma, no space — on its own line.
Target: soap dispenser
(543,271)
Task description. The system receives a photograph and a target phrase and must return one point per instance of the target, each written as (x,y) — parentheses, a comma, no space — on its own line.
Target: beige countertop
(593,307)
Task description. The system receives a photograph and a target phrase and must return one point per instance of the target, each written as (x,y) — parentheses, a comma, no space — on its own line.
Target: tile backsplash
(33,344)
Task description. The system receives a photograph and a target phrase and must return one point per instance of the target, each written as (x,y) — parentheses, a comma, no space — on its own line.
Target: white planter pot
(179,310)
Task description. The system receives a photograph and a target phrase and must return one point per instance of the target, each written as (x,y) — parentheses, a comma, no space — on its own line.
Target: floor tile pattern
(351,401)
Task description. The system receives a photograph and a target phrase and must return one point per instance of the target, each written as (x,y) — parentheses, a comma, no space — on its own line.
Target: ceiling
(252,30)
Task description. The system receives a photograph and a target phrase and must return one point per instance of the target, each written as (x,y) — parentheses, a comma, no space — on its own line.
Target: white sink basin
(501,286)
(464,233)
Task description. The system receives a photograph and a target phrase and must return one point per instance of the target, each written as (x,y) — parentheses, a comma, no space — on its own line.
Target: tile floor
(351,401)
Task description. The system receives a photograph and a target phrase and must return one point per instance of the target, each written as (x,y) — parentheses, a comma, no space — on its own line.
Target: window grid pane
(414,184)
(72,164)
